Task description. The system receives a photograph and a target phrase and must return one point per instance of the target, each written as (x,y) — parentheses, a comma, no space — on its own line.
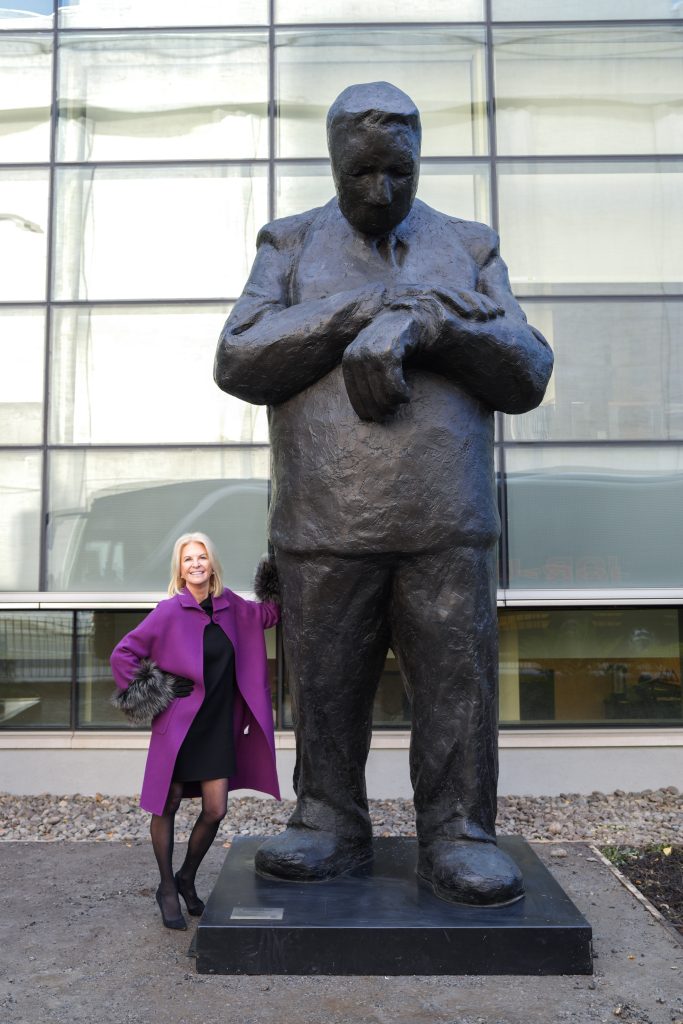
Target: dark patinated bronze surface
(383,336)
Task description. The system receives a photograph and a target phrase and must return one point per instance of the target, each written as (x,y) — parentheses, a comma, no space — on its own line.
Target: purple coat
(172,635)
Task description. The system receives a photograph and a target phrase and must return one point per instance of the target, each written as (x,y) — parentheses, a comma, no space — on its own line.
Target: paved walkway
(82,943)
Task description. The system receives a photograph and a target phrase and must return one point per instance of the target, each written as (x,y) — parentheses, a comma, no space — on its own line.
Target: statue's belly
(422,480)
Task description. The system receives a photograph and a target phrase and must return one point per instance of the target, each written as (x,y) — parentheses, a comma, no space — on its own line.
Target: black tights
(214,807)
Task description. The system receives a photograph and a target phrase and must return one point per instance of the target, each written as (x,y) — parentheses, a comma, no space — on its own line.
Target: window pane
(114,13)
(572,228)
(292,11)
(177,232)
(595,517)
(589,91)
(590,665)
(97,635)
(583,10)
(23,226)
(20,480)
(22,347)
(114,516)
(618,372)
(94,350)
(443,70)
(35,669)
(25,14)
(25,85)
(458,189)
(163,96)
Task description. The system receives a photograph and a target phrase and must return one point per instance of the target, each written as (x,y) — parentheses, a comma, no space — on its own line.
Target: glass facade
(142,145)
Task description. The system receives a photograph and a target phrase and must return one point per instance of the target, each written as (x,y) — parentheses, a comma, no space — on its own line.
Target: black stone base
(382,920)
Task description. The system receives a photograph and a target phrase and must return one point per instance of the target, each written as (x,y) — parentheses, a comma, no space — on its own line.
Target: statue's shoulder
(479,239)
(287,232)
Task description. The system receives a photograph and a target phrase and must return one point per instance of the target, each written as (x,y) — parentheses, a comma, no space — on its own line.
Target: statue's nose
(382,192)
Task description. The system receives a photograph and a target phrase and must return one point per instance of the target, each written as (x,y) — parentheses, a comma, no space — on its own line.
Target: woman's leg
(214,808)
(161,831)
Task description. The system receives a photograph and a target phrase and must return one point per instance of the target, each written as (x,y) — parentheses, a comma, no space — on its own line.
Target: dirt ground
(82,942)
(658,873)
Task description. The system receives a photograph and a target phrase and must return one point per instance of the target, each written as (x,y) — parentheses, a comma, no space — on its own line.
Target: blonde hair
(177,583)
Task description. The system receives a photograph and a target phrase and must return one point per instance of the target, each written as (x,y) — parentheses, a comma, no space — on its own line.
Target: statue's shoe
(310,855)
(467,871)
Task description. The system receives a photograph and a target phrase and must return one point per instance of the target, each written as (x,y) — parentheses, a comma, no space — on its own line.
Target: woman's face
(195,565)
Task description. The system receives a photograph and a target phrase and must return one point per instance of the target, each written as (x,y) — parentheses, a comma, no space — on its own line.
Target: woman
(197,666)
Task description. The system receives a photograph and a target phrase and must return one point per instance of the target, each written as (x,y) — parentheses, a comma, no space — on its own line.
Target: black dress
(208,750)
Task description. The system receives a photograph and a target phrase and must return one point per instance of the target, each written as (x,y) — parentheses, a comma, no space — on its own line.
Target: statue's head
(373,134)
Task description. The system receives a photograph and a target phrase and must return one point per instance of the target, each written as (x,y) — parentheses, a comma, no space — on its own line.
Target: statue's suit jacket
(424,479)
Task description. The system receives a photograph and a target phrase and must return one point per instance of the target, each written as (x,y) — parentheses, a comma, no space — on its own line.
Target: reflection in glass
(141,233)
(25,83)
(93,351)
(22,347)
(23,226)
(458,189)
(35,669)
(133,13)
(163,96)
(595,517)
(20,479)
(591,91)
(583,10)
(590,665)
(97,633)
(591,227)
(23,14)
(443,70)
(302,11)
(114,515)
(618,372)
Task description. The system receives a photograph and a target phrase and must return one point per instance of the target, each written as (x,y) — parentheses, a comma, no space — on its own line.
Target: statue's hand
(373,365)
(371,301)
(467,304)
(432,303)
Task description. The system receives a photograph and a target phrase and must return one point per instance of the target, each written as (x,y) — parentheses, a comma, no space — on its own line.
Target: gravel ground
(634,819)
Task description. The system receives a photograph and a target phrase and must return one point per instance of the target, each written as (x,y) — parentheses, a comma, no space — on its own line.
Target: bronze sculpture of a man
(383,335)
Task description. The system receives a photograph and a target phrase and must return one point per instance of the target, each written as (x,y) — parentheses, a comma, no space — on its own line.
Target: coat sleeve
(270,613)
(144,690)
(135,646)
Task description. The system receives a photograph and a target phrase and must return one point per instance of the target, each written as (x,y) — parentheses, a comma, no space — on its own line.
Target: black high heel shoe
(195,906)
(177,923)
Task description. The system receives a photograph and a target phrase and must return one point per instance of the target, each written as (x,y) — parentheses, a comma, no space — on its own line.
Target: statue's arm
(270,350)
(503,360)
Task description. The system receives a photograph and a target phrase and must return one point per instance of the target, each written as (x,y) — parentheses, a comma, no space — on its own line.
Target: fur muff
(266,582)
(148,695)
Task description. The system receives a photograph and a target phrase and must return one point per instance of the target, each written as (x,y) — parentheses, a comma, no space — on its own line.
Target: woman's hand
(182,687)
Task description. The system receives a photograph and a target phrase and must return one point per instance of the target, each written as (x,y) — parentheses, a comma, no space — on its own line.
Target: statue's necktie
(391,249)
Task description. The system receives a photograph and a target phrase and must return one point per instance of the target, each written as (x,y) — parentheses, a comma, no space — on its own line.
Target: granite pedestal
(380,919)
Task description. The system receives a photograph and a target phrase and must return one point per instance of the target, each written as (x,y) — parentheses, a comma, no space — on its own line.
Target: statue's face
(375,170)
